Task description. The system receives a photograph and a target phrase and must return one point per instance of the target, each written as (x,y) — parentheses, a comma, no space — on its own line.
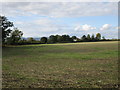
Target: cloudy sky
(37,19)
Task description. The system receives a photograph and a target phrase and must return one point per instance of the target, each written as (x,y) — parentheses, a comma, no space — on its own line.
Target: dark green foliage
(43,40)
(84,38)
(52,39)
(5,27)
(98,36)
(66,39)
(88,37)
(93,37)
(60,39)
(74,37)
(15,37)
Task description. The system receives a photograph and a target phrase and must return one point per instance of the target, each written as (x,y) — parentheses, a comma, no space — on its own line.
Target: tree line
(58,39)
(13,36)
(68,39)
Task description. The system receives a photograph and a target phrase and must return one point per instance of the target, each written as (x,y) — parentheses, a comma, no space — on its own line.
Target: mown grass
(75,65)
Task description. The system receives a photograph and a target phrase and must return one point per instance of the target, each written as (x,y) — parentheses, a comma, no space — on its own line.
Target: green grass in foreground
(77,65)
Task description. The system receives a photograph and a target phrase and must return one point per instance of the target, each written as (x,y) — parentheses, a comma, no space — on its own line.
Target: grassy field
(75,65)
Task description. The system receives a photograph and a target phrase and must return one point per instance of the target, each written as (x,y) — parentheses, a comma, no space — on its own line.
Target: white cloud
(105,27)
(59,9)
(38,27)
(77,28)
(87,27)
(46,26)
(84,27)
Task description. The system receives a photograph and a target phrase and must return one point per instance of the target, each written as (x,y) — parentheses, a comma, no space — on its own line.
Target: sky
(38,19)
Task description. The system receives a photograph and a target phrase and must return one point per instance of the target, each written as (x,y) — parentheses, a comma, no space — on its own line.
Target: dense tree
(88,37)
(5,27)
(74,38)
(43,40)
(52,39)
(84,38)
(98,36)
(66,38)
(93,37)
(59,38)
(15,36)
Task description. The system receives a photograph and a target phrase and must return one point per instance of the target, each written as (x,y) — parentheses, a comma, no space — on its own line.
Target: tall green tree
(74,38)
(43,40)
(66,38)
(5,26)
(98,36)
(93,37)
(59,38)
(84,38)
(15,36)
(88,37)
